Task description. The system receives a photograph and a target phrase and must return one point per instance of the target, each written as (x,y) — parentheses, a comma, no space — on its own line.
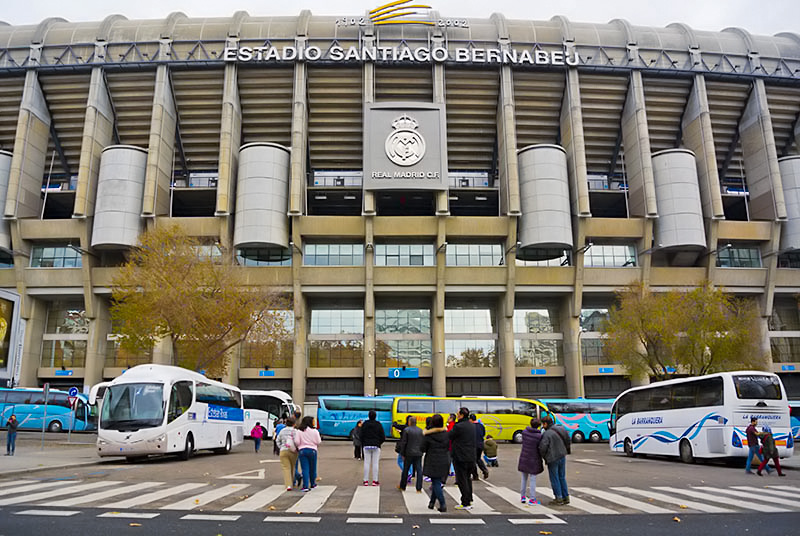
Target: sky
(760,18)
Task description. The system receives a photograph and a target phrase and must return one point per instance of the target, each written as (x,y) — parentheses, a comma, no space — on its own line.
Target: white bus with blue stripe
(160,409)
(700,417)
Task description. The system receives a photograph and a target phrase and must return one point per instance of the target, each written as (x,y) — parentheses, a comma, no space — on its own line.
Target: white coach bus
(264,407)
(700,417)
(159,409)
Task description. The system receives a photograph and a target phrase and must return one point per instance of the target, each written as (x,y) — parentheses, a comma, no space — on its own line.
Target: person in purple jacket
(530,462)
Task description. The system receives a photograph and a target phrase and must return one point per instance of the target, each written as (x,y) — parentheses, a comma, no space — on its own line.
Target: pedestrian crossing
(231,499)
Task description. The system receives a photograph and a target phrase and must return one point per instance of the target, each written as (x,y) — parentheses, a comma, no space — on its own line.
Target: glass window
(63,353)
(739,257)
(180,400)
(475,406)
(593,319)
(383,405)
(403,321)
(361,405)
(403,353)
(709,392)
(536,321)
(446,406)
(785,315)
(334,354)
(660,398)
(470,353)
(335,321)
(116,356)
(333,254)
(785,349)
(218,396)
(789,260)
(593,352)
(521,407)
(599,407)
(755,387)
(538,353)
(66,317)
(404,255)
(468,321)
(132,406)
(6,260)
(334,404)
(420,406)
(55,257)
(474,255)
(500,406)
(610,256)
(264,257)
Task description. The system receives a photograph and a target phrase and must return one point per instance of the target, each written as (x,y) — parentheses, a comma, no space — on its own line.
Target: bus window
(362,405)
(522,407)
(334,404)
(445,407)
(660,399)
(475,406)
(180,399)
(557,407)
(18,397)
(212,394)
(757,387)
(600,407)
(499,406)
(59,399)
(383,405)
(420,406)
(684,396)
(80,410)
(709,392)
(402,406)
(624,405)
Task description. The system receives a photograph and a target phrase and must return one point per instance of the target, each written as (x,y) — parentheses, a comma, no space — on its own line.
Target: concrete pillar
(297,164)
(161,150)
(442,199)
(24,197)
(299,359)
(31,354)
(98,133)
(368,97)
(507,164)
(230,140)
(573,360)
(369,311)
(698,137)
(99,328)
(761,158)
(439,371)
(505,344)
(636,139)
(573,141)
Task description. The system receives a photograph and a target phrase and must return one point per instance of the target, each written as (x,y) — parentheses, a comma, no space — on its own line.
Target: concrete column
(636,139)
(99,328)
(442,200)
(299,359)
(573,360)
(24,197)
(230,140)
(698,137)
(507,163)
(31,354)
(505,344)
(439,371)
(297,164)
(369,311)
(98,133)
(161,150)
(761,158)
(368,96)
(573,141)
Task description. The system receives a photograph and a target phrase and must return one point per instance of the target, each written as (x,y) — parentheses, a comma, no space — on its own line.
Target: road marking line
(770,491)
(376,520)
(55,513)
(197,501)
(83,499)
(512,497)
(257,474)
(624,501)
(209,517)
(451,521)
(61,491)
(700,507)
(259,500)
(16,483)
(589,461)
(550,520)
(312,500)
(131,515)
(478,506)
(577,503)
(417,503)
(724,500)
(366,500)
(286,519)
(154,496)
(787,488)
(34,487)
(756,496)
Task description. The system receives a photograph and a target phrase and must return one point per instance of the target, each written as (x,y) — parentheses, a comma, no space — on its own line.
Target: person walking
(288,452)
(400,428)
(257,433)
(372,437)
(451,421)
(462,437)
(355,433)
(307,440)
(530,462)
(11,435)
(752,446)
(554,447)
(480,431)
(770,451)
(410,448)
(436,446)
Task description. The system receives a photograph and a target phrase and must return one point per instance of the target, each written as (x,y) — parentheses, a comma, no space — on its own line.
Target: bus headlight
(157,440)
(102,442)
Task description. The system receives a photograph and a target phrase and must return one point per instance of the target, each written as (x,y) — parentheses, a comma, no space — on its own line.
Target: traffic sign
(73,392)
(72,400)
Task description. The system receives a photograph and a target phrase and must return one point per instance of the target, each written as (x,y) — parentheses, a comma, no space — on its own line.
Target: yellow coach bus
(504,418)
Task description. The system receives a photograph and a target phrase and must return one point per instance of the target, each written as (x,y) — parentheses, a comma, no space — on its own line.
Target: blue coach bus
(794,413)
(338,414)
(29,407)
(583,418)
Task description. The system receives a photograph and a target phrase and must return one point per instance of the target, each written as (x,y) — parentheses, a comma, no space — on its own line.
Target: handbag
(291,444)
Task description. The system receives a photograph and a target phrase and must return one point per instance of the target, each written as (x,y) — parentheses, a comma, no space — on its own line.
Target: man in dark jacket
(436,446)
(554,447)
(410,448)
(752,446)
(462,438)
(480,432)
(372,437)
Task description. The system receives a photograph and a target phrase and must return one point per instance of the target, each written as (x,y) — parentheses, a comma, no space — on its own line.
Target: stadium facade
(450,202)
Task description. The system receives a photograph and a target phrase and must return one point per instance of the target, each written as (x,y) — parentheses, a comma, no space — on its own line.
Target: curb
(46,467)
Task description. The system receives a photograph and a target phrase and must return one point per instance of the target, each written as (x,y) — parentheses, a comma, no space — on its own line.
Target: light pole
(581,389)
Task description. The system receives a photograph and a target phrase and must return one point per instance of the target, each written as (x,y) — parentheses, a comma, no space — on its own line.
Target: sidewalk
(30,457)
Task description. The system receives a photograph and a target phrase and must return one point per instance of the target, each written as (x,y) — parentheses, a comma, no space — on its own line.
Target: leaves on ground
(676,519)
(134,524)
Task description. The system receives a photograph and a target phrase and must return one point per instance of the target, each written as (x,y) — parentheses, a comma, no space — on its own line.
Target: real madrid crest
(405,146)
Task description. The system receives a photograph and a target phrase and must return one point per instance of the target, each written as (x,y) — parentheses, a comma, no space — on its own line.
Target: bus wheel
(517,437)
(55,426)
(189,449)
(685,450)
(227,448)
(578,437)
(595,437)
(628,446)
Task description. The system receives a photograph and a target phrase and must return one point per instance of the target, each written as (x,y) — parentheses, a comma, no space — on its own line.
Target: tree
(174,287)
(693,332)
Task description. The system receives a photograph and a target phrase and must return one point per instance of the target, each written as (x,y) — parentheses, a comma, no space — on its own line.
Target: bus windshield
(757,387)
(132,406)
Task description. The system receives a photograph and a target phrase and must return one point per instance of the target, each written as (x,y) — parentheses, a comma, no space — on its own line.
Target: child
(257,433)
(355,433)
(490,452)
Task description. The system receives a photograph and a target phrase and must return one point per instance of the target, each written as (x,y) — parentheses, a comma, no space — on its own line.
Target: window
(470,353)
(180,399)
(336,338)
(785,315)
(446,407)
(561,258)
(593,319)
(66,335)
(67,317)
(403,321)
(599,407)
(403,353)
(522,407)
(66,354)
(264,257)
(610,256)
(757,387)
(538,353)
(337,321)
(593,352)
(789,260)
(420,406)
(218,396)
(116,356)
(468,321)
(403,337)
(785,349)
(474,255)
(333,255)
(55,257)
(538,341)
(739,257)
(500,406)
(475,406)
(334,404)
(536,321)
(404,255)
(335,353)
(6,260)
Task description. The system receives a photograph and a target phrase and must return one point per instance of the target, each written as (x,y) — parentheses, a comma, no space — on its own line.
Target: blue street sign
(404,372)
(266,373)
(538,372)
(606,370)
(64,372)
(787,367)
(73,391)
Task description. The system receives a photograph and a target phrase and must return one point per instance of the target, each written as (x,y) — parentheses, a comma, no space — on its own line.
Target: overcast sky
(760,18)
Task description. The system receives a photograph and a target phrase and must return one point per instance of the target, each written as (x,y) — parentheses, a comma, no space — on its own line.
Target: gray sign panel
(405,146)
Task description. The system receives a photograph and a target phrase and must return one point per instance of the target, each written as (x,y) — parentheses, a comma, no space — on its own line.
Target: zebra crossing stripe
(366,500)
(131,515)
(375,520)
(478,506)
(787,488)
(16,483)
(209,517)
(624,501)
(197,501)
(725,500)
(83,499)
(549,520)
(451,521)
(770,491)
(154,496)
(312,500)
(61,491)
(259,500)
(514,498)
(287,519)
(700,507)
(417,503)
(580,504)
(752,495)
(54,513)
(34,487)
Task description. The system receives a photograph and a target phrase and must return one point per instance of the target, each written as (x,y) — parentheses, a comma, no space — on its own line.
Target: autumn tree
(693,332)
(174,287)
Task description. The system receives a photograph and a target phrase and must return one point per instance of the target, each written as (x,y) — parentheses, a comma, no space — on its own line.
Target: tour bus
(160,409)
(700,417)
(29,407)
(264,407)
(584,418)
(337,415)
(794,413)
(504,418)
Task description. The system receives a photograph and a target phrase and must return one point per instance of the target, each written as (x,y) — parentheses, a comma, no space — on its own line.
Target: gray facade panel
(120,187)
